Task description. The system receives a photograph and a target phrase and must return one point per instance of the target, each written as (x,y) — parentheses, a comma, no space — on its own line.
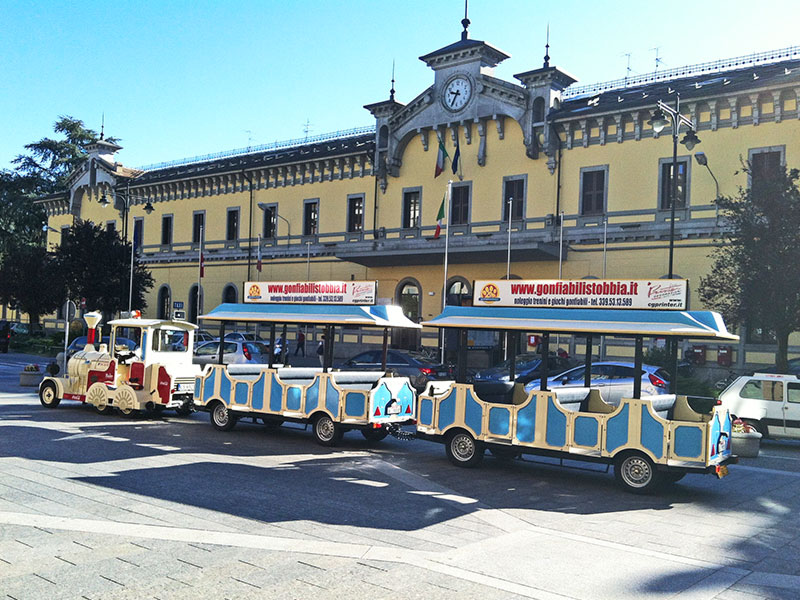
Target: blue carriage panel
(240,396)
(556,434)
(381,397)
(312,397)
(198,388)
(208,385)
(652,435)
(332,397)
(406,398)
(688,441)
(727,427)
(275,395)
(426,411)
(224,386)
(355,404)
(499,420)
(585,433)
(294,397)
(526,423)
(617,430)
(258,392)
(721,423)
(447,410)
(473,413)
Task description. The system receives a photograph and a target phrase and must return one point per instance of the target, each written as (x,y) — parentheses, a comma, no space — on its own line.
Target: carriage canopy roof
(326,314)
(594,321)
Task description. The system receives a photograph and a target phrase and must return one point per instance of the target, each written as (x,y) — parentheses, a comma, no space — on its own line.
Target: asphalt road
(98,506)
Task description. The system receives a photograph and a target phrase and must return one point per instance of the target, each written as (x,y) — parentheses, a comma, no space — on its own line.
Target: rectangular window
(665,200)
(198,225)
(232,228)
(593,191)
(759,335)
(269,229)
(355,214)
(513,197)
(65,231)
(111,225)
(459,205)
(764,165)
(138,233)
(411,208)
(311,217)
(166,230)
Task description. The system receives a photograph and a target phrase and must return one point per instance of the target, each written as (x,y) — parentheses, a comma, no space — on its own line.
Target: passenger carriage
(649,439)
(332,401)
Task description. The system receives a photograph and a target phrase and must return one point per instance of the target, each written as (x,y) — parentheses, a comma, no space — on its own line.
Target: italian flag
(439,217)
(440,159)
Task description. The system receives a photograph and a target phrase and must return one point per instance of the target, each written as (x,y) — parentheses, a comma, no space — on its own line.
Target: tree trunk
(781,354)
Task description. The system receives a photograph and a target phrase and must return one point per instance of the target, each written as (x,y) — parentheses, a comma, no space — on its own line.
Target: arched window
(193,303)
(409,296)
(538,110)
(383,138)
(459,292)
(164,302)
(230,294)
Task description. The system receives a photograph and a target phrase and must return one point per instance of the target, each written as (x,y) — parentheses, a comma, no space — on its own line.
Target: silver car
(613,379)
(234,352)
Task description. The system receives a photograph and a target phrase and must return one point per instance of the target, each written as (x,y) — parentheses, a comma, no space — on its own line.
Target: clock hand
(455,94)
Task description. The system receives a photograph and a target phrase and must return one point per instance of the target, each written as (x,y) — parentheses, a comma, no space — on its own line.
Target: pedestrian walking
(301,343)
(321,352)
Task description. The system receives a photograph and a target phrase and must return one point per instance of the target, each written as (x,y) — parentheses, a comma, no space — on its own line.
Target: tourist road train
(649,440)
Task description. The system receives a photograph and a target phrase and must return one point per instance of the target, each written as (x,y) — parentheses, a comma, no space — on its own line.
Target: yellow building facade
(578,175)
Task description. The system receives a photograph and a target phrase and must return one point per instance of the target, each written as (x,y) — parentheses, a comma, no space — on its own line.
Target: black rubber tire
(221,417)
(48,395)
(463,450)
(505,453)
(327,432)
(375,435)
(636,473)
(104,411)
(128,413)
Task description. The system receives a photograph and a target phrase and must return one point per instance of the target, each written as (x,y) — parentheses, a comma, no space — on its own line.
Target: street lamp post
(702,160)
(659,122)
(127,198)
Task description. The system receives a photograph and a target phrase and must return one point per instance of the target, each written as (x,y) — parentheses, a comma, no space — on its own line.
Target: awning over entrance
(651,323)
(318,314)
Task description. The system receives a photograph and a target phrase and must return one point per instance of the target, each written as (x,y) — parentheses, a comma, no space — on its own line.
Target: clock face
(457,93)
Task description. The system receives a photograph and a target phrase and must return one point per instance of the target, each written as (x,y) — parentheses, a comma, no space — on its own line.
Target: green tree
(20,219)
(30,278)
(49,161)
(755,277)
(95,263)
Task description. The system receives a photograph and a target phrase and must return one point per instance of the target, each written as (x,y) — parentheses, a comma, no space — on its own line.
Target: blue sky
(177,79)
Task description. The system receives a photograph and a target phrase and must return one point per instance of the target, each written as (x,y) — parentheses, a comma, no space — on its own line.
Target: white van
(769,402)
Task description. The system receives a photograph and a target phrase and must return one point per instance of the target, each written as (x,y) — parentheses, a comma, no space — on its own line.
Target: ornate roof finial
(465,21)
(103,126)
(547,49)
(391,91)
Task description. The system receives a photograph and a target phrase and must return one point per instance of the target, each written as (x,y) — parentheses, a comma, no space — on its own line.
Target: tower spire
(391,91)
(465,21)
(103,126)
(547,49)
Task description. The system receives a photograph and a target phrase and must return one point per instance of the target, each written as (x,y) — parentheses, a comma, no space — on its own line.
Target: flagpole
(200,270)
(446,251)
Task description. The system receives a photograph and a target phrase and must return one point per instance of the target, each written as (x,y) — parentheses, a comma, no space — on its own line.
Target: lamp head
(148,208)
(690,140)
(104,200)
(658,121)
(701,159)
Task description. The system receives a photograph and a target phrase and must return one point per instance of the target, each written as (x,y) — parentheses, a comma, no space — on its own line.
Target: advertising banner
(661,294)
(311,292)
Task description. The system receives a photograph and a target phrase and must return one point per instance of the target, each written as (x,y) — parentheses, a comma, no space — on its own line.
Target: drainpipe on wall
(250,224)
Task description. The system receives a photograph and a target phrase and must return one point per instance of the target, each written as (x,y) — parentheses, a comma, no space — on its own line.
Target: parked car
(80,342)
(613,379)
(199,336)
(402,362)
(18,328)
(244,336)
(234,352)
(792,369)
(493,385)
(769,402)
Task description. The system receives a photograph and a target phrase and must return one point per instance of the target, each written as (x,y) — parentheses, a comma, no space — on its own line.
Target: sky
(176,79)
